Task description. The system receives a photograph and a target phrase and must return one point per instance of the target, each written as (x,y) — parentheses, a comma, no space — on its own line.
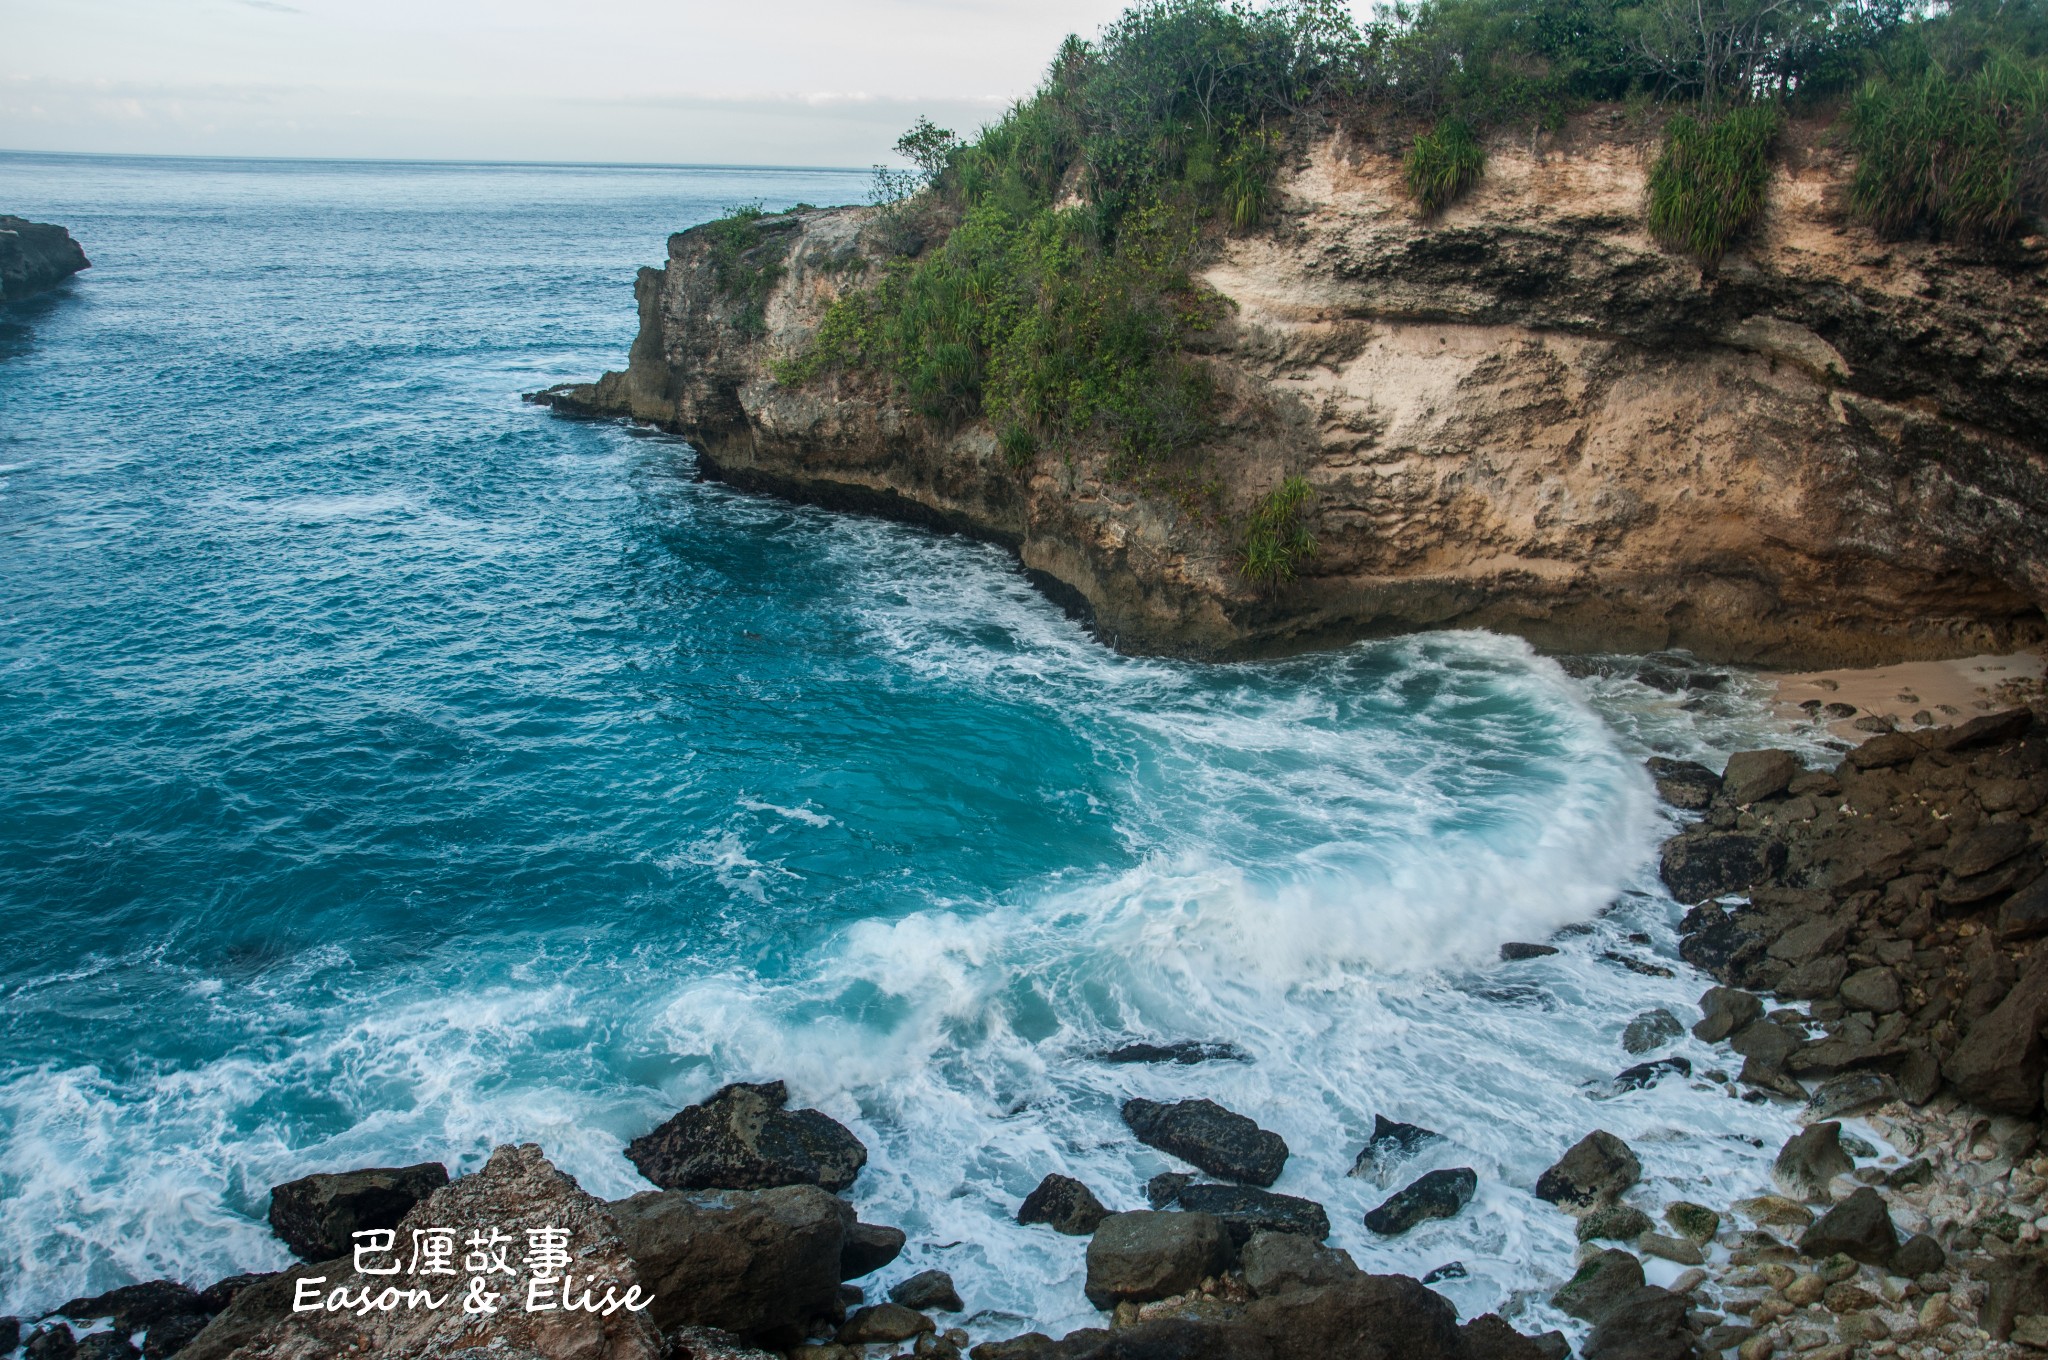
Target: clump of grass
(1960,157)
(1276,542)
(1442,164)
(1709,183)
(745,263)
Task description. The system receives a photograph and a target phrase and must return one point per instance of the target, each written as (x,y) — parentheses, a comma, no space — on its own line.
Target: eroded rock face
(1521,414)
(741,1138)
(517,1190)
(317,1216)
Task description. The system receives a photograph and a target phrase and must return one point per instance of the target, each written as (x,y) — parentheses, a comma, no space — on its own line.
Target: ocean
(390,770)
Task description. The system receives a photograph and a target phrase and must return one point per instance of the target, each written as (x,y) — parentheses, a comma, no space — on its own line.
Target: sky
(730,82)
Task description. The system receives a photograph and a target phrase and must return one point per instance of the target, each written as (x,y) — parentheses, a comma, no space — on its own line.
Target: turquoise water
(389,769)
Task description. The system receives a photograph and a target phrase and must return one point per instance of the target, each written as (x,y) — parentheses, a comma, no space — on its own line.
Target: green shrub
(745,264)
(1442,164)
(1276,541)
(1956,156)
(1709,183)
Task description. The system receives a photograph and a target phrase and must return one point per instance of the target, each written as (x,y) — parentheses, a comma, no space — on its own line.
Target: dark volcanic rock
(1515,951)
(217,1296)
(1065,1204)
(1752,776)
(256,1307)
(866,1247)
(316,1215)
(1491,1337)
(1645,1075)
(1372,1317)
(882,1324)
(134,1307)
(1809,1160)
(35,256)
(1245,1210)
(52,1341)
(1602,1282)
(1151,1255)
(2025,914)
(1275,1262)
(1651,1030)
(106,1346)
(169,1336)
(762,1264)
(1594,1171)
(1163,1189)
(1860,1227)
(1648,1324)
(1215,1139)
(1684,783)
(1440,1194)
(1390,1142)
(1184,1051)
(742,1138)
(1999,1062)
(1724,1011)
(1703,865)
(928,1291)
(1918,1255)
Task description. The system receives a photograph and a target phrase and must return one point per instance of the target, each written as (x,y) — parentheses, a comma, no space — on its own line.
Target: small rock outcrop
(1595,1171)
(741,1138)
(1391,1143)
(1246,1210)
(316,1216)
(1860,1227)
(1064,1204)
(1439,1194)
(35,256)
(928,1291)
(1153,1254)
(1205,1134)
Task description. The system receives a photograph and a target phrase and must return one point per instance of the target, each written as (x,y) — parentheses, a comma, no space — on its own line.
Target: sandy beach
(1858,704)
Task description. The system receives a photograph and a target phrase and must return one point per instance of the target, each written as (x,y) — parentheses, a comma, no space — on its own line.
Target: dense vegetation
(1042,278)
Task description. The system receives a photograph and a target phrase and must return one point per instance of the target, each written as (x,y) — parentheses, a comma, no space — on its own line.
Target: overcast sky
(784,82)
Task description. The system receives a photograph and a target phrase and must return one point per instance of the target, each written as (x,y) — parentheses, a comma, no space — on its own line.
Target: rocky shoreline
(35,256)
(1876,931)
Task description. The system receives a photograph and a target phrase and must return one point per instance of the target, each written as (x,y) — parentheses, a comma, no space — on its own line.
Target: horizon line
(442,160)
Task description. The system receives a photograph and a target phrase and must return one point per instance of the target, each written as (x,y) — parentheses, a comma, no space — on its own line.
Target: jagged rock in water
(1246,1210)
(1515,951)
(1217,1140)
(741,1138)
(35,256)
(1724,1011)
(1439,1194)
(1065,1204)
(1708,864)
(1684,783)
(1391,1142)
(1651,1030)
(866,1247)
(316,1215)
(1184,1051)
(927,1291)
(1595,1171)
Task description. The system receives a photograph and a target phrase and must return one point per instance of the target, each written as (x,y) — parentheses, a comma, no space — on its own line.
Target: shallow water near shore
(389,770)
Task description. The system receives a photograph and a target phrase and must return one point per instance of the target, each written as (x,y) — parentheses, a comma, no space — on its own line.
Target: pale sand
(1915,693)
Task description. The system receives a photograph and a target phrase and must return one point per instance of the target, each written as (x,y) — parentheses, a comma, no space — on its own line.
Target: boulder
(866,1247)
(1872,989)
(1753,776)
(1596,1170)
(741,1138)
(1152,1254)
(1391,1141)
(2018,1287)
(761,1264)
(1998,1065)
(1614,1223)
(1514,951)
(170,1336)
(1823,938)
(1491,1337)
(1440,1194)
(1883,752)
(1699,866)
(1600,1283)
(316,1215)
(1723,1011)
(1371,1317)
(1163,1190)
(1860,1227)
(1064,1204)
(1651,1030)
(1684,783)
(1694,1221)
(1683,1250)
(1985,849)
(2025,914)
(1918,1255)
(1810,1160)
(517,1190)
(1184,1051)
(106,1346)
(1646,1324)
(1245,1210)
(50,1341)
(1645,1075)
(883,1324)
(134,1307)
(35,256)
(928,1291)
(1851,1093)
(1814,980)
(1275,1262)
(1205,1134)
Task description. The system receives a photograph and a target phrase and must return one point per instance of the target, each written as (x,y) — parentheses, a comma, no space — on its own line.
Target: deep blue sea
(389,770)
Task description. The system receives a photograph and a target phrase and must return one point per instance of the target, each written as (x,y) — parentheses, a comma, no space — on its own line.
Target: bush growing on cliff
(1276,542)
(1442,164)
(1958,155)
(745,264)
(1709,183)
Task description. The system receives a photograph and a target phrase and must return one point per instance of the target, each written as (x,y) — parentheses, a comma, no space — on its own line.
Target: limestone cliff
(1521,414)
(35,256)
